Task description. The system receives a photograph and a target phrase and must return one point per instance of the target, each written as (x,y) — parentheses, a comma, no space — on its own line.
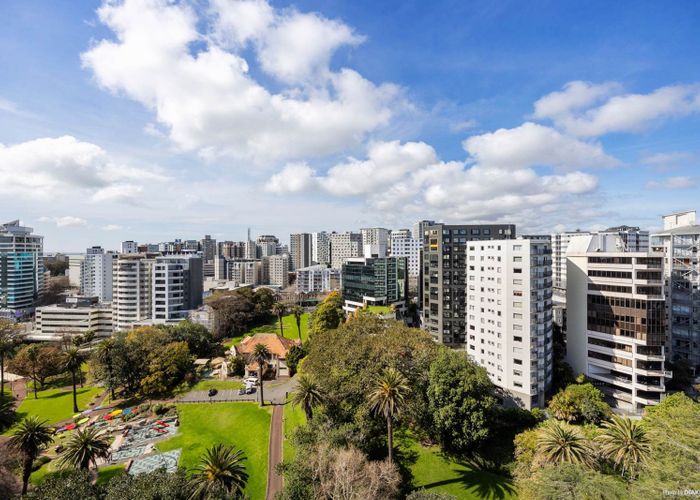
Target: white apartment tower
(132,282)
(96,274)
(378,238)
(321,248)
(317,278)
(403,244)
(177,287)
(344,246)
(616,320)
(130,246)
(278,270)
(509,316)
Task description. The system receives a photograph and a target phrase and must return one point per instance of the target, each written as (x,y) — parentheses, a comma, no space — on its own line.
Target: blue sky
(152,120)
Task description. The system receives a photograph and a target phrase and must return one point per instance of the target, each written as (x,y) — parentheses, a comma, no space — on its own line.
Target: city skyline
(122,131)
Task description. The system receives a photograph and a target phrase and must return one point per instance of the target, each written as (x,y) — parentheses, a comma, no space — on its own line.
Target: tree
(579,403)
(67,484)
(57,267)
(278,309)
(156,485)
(84,447)
(30,438)
(571,481)
(72,361)
(199,340)
(9,462)
(7,413)
(298,312)
(388,399)
(234,312)
(625,442)
(167,367)
(307,395)
(329,314)
(220,470)
(261,354)
(562,443)
(37,362)
(103,354)
(8,345)
(294,356)
(460,399)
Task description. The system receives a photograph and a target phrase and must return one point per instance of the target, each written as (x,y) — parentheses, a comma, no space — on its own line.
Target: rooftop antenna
(248,234)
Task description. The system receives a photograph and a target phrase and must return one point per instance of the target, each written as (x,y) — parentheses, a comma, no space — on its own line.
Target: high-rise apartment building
(267,245)
(616,328)
(301,250)
(232,249)
(403,244)
(21,269)
(377,238)
(277,267)
(250,250)
(130,246)
(208,248)
(374,281)
(344,246)
(321,248)
(96,274)
(317,278)
(177,287)
(132,288)
(509,316)
(443,272)
(241,271)
(418,228)
(680,243)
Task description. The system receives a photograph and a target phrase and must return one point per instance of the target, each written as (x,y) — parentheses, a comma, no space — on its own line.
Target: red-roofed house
(278,347)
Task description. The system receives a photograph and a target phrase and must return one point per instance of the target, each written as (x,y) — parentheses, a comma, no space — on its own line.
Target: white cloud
(66,221)
(208,100)
(531,144)
(578,109)
(676,182)
(112,227)
(293,178)
(49,167)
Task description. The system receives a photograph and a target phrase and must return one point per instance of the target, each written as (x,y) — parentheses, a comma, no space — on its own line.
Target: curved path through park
(275,480)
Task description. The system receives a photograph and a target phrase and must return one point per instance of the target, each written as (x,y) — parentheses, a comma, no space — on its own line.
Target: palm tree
(278,310)
(559,443)
(7,413)
(625,442)
(261,354)
(298,312)
(72,359)
(220,470)
(8,344)
(32,436)
(104,354)
(84,447)
(307,395)
(388,399)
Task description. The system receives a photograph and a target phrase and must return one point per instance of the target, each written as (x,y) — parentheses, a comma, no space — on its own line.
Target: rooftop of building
(692,229)
(276,344)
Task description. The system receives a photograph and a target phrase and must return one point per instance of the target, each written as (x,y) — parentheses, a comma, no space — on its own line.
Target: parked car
(251,380)
(250,390)
(213,392)
(241,391)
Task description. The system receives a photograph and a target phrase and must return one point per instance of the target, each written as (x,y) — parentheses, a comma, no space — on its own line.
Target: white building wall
(403,244)
(344,246)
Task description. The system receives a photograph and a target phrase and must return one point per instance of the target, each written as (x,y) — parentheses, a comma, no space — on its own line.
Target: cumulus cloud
(66,221)
(293,178)
(207,99)
(43,168)
(676,182)
(587,110)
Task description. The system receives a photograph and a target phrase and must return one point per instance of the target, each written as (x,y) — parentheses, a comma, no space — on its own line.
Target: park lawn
(206,384)
(242,425)
(56,405)
(438,473)
(293,417)
(289,328)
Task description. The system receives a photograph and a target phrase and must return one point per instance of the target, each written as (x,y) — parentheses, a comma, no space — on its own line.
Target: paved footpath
(274,480)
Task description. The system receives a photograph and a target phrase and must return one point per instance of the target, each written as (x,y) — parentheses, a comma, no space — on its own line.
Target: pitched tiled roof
(277,345)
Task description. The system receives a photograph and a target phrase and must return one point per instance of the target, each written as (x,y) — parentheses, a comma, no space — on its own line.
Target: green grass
(289,327)
(379,309)
(437,473)
(206,384)
(293,417)
(105,474)
(55,405)
(243,425)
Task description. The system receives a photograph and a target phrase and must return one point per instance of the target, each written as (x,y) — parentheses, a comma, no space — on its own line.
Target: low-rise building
(77,316)
(277,345)
(381,281)
(317,279)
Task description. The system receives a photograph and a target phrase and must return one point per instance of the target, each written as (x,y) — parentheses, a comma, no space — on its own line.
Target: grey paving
(274,391)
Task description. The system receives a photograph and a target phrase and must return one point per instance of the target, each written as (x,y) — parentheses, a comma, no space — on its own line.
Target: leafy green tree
(561,443)
(103,355)
(625,443)
(278,309)
(37,362)
(571,481)
(30,438)
(388,399)
(235,313)
(579,403)
(7,413)
(298,312)
(294,356)
(167,367)
(307,395)
(199,340)
(156,485)
(67,484)
(329,314)
(261,355)
(262,299)
(220,471)
(8,345)
(84,447)
(72,361)
(460,397)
